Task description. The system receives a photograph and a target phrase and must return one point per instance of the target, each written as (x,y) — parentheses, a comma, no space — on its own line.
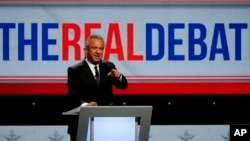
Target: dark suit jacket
(82,86)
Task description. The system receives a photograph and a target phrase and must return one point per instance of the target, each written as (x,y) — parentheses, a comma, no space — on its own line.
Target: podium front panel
(123,112)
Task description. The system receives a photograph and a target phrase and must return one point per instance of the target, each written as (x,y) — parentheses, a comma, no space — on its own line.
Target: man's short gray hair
(91,37)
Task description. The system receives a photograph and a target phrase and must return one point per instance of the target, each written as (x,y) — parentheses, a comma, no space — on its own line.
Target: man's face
(94,52)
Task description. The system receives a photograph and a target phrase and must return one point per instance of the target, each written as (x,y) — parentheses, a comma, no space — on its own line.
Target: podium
(141,114)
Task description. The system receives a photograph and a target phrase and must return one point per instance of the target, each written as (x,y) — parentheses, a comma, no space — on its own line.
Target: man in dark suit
(90,81)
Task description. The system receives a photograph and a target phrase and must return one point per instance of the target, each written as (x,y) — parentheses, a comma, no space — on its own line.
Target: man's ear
(85,50)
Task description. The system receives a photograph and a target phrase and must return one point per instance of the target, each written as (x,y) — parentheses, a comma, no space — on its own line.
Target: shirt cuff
(84,104)
(120,78)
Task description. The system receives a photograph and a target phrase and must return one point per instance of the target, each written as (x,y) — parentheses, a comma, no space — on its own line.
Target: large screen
(163,47)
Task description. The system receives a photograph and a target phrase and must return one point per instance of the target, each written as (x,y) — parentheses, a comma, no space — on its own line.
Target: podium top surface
(103,109)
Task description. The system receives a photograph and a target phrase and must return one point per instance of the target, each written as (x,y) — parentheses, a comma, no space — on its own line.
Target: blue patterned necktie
(97,75)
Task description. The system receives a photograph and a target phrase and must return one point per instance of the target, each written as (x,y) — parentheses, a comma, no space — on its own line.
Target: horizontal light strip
(136,79)
(133,89)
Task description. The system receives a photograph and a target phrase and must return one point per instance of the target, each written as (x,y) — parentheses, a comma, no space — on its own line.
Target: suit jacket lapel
(88,76)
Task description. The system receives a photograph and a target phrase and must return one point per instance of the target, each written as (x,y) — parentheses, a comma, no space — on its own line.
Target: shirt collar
(91,65)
